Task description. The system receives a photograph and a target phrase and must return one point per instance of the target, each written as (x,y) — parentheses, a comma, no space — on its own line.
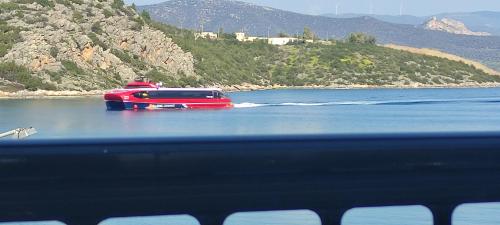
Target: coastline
(44,94)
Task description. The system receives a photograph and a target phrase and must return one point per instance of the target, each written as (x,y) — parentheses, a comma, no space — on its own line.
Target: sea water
(281,112)
(274,112)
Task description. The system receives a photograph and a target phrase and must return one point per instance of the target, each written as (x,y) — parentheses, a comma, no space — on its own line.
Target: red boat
(146,95)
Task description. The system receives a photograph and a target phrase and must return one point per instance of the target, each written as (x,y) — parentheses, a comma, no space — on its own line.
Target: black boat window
(136,87)
(180,94)
(141,94)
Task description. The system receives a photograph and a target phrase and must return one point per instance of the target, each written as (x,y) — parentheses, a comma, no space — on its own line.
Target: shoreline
(43,94)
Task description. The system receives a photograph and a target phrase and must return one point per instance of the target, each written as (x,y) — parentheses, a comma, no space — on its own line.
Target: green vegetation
(67,3)
(173,80)
(308,34)
(357,61)
(72,69)
(44,3)
(361,38)
(145,15)
(54,51)
(78,2)
(107,13)
(139,23)
(77,17)
(117,4)
(131,59)
(96,28)
(10,6)
(225,61)
(8,37)
(96,41)
(12,72)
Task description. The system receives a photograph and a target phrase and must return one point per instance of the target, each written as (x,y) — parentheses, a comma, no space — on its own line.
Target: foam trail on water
(255,105)
(395,102)
(248,105)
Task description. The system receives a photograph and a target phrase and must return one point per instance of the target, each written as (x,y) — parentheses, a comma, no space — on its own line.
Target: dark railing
(87,181)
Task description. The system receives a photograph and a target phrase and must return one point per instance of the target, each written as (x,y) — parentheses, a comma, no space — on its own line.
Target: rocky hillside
(451,26)
(81,45)
(96,45)
(257,20)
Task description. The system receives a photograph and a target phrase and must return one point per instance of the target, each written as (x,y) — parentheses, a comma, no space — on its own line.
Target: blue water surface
(281,112)
(274,112)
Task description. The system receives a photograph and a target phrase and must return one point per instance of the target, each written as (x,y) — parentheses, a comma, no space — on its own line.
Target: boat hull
(118,105)
(142,99)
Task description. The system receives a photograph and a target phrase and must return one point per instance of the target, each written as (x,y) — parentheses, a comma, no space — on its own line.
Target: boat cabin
(180,94)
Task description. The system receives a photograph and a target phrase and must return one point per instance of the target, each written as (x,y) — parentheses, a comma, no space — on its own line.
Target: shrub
(78,2)
(64,2)
(117,4)
(145,15)
(96,28)
(9,6)
(46,3)
(20,14)
(77,17)
(139,23)
(361,38)
(107,13)
(161,76)
(72,68)
(8,37)
(134,60)
(54,51)
(56,76)
(97,41)
(19,74)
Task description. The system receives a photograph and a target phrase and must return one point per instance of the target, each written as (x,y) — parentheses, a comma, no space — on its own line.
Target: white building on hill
(281,40)
(207,35)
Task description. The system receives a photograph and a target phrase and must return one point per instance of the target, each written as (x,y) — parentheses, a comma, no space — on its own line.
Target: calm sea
(268,113)
(281,112)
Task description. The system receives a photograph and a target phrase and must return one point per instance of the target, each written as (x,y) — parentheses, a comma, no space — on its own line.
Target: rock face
(451,26)
(89,44)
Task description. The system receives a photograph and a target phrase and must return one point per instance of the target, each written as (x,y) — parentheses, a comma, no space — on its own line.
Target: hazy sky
(411,7)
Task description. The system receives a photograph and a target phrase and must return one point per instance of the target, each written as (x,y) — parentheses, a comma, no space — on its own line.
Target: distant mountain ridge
(451,26)
(485,21)
(235,16)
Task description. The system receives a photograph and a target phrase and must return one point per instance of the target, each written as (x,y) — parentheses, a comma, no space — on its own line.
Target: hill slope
(235,16)
(81,44)
(88,45)
(229,62)
(485,21)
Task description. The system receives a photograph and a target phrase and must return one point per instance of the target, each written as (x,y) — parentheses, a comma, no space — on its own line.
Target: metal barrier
(87,181)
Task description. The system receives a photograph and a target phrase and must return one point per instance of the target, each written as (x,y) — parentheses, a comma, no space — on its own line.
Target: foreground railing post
(211,219)
(330,217)
(442,214)
(82,221)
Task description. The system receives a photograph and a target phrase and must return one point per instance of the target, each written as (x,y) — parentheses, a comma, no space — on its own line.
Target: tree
(361,38)
(308,34)
(220,32)
(145,15)
(283,34)
(133,7)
